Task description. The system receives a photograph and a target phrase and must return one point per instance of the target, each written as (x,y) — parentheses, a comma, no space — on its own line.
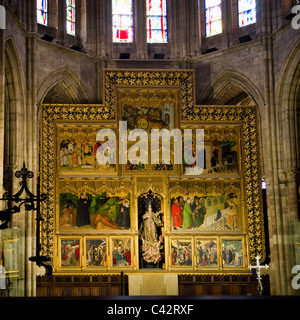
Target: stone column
(2,108)
(100,27)
(140,29)
(278,276)
(2,102)
(227,23)
(172,29)
(31,151)
(194,28)
(290,217)
(292,210)
(61,25)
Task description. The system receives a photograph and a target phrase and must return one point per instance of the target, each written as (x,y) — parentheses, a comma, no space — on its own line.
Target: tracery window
(42,11)
(71,16)
(247,12)
(122,16)
(156,19)
(213,17)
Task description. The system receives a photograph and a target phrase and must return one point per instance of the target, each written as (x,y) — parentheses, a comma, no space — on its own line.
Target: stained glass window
(157,29)
(122,15)
(42,11)
(247,12)
(213,17)
(71,16)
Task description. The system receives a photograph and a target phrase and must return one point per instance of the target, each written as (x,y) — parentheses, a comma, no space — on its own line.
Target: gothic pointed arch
(62,87)
(288,108)
(232,88)
(14,112)
(287,117)
(289,80)
(14,79)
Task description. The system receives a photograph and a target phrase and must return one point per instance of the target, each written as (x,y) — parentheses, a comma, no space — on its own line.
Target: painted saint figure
(177,214)
(83,215)
(187,214)
(70,254)
(123,219)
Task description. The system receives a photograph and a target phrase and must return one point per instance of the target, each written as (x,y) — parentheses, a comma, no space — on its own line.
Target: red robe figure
(177,214)
(128,256)
(77,257)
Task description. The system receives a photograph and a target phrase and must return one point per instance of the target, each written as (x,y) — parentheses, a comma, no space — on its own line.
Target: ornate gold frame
(94,268)
(207,268)
(182,82)
(182,267)
(133,265)
(62,127)
(96,186)
(58,261)
(244,246)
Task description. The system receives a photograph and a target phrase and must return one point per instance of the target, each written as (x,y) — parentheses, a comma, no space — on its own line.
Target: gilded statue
(151,243)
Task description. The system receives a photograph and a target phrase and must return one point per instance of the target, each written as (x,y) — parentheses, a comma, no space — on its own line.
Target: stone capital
(291,173)
(282,177)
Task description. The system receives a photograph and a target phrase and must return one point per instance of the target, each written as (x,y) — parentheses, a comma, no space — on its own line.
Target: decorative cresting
(182,80)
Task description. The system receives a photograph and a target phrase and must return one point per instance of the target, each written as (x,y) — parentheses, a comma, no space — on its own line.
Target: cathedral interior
(92,205)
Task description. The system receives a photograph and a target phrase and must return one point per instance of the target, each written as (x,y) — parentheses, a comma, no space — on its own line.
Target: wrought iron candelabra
(24,197)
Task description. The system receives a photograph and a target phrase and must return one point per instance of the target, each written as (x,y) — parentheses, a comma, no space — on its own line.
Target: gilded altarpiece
(209,222)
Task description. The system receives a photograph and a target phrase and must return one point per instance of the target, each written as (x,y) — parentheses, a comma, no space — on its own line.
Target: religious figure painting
(220,157)
(202,212)
(163,166)
(232,253)
(148,109)
(181,253)
(138,165)
(86,211)
(221,151)
(135,166)
(96,252)
(206,253)
(70,252)
(148,117)
(80,150)
(121,252)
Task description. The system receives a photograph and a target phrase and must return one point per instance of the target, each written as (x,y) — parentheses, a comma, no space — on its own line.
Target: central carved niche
(151,230)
